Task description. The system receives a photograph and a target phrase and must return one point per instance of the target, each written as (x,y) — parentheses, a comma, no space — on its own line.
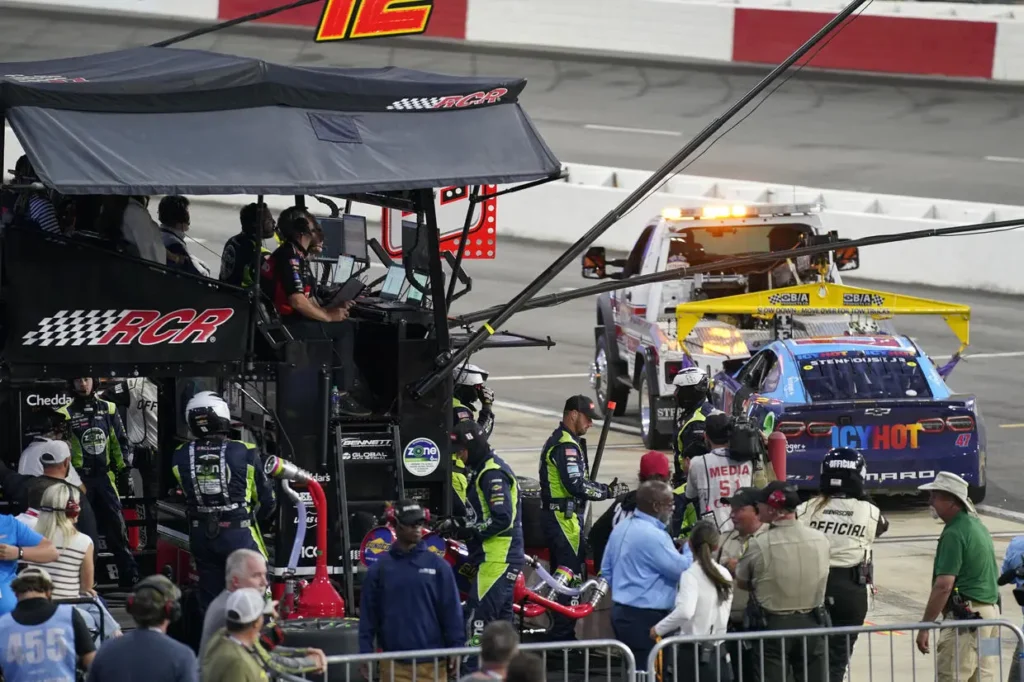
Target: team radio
(877,436)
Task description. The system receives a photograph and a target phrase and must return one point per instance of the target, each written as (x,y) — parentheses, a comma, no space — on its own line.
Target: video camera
(745,444)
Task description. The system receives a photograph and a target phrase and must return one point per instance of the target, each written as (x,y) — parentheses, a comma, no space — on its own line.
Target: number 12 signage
(362,19)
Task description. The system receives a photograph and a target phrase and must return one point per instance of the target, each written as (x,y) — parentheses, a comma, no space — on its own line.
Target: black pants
(110,518)
(632,627)
(788,660)
(342,336)
(847,604)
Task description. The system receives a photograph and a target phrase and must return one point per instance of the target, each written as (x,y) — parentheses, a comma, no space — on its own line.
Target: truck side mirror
(847,258)
(595,263)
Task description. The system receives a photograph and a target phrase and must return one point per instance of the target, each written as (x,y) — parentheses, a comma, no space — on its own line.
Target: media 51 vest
(39,652)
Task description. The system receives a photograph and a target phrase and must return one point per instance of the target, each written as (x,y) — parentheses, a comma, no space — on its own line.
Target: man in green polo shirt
(965,565)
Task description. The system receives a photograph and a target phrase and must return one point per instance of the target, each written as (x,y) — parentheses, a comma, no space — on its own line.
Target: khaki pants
(425,672)
(957,659)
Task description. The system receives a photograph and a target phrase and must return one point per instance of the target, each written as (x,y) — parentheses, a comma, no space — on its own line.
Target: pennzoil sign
(126,327)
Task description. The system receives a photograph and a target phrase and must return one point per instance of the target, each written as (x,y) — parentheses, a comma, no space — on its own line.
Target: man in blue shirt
(19,542)
(1013,572)
(642,566)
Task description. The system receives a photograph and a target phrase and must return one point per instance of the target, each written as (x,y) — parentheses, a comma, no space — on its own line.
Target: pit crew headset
(691,387)
(71,509)
(166,592)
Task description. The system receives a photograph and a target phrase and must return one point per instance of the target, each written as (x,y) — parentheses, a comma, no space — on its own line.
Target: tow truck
(636,347)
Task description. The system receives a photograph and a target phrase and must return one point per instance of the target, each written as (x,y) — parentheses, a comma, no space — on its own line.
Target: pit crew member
(470,386)
(692,393)
(291,283)
(565,489)
(174,223)
(226,492)
(851,523)
(239,255)
(495,540)
(99,450)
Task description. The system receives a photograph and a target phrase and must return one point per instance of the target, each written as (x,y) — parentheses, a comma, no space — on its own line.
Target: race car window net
(862,376)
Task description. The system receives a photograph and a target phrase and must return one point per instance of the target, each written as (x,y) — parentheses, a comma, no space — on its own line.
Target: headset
(392,518)
(157,583)
(72,510)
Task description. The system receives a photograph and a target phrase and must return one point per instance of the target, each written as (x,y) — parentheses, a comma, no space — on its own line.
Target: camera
(745,440)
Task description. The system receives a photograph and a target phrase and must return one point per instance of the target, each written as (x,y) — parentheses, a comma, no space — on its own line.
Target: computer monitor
(414,246)
(393,283)
(414,295)
(334,241)
(343,269)
(354,230)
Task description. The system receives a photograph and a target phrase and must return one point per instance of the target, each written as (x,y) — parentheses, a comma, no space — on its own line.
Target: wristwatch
(21,553)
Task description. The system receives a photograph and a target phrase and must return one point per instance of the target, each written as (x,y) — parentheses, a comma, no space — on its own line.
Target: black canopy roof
(171,121)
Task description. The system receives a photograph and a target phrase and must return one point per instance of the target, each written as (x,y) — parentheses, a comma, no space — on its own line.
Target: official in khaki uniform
(746,525)
(785,569)
(851,523)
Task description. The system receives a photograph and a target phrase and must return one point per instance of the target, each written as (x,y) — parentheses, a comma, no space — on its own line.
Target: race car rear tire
(977,493)
(609,386)
(652,438)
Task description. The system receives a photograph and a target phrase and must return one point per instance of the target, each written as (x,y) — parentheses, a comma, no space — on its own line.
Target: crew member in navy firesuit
(410,602)
(565,488)
(470,386)
(226,491)
(495,540)
(692,391)
(99,450)
(238,261)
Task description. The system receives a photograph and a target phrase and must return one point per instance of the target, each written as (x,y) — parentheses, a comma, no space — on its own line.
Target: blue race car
(879,394)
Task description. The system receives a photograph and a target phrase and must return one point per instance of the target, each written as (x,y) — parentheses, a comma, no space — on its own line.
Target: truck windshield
(862,376)
(699,245)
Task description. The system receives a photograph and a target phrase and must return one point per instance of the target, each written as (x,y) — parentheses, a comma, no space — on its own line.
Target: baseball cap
(247,604)
(743,497)
(780,495)
(654,463)
(409,513)
(718,427)
(582,404)
(54,452)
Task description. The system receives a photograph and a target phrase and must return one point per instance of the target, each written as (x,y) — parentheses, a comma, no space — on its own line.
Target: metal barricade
(678,659)
(432,665)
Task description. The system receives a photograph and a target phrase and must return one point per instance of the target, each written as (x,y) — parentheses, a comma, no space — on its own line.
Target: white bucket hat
(952,484)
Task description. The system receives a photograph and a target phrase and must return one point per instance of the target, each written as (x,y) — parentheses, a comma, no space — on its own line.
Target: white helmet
(207,413)
(689,376)
(469,375)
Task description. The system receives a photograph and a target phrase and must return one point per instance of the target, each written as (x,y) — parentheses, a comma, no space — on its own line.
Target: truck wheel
(604,378)
(977,493)
(653,439)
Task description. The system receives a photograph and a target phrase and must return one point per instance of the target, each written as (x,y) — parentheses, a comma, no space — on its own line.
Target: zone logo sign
(125,327)
(363,19)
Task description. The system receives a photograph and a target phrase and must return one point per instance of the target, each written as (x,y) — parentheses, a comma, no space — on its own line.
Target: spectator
(126,223)
(147,654)
(964,583)
(642,567)
(247,568)
(231,654)
(239,256)
(50,425)
(174,223)
(33,207)
(410,601)
(717,474)
(33,620)
(21,543)
(73,572)
(525,668)
(1013,572)
(703,603)
(499,643)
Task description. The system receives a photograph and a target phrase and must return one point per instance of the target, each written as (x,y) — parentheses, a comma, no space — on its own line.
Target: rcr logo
(36,400)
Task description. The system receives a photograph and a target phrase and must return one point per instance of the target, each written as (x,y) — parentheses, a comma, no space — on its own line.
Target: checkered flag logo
(877,300)
(73,328)
(416,103)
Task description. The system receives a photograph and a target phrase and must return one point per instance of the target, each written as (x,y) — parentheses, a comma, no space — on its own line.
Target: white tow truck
(636,345)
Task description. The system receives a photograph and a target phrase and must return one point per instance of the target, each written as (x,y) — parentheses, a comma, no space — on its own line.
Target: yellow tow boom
(823,298)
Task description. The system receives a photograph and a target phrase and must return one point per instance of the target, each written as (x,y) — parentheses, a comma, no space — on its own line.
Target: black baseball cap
(582,404)
(780,495)
(718,427)
(743,497)
(409,513)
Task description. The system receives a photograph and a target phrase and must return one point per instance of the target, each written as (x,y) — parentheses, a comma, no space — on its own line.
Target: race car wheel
(604,377)
(648,416)
(977,493)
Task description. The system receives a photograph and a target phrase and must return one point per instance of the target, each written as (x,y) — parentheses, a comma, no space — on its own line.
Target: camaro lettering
(877,437)
(901,476)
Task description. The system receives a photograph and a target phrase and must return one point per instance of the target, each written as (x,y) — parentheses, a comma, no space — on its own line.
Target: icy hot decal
(366,19)
(125,327)
(877,437)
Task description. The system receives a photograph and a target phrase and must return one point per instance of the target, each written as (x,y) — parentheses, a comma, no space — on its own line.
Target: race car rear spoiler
(823,298)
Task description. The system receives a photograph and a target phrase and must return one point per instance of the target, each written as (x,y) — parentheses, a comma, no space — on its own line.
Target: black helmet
(468,435)
(691,387)
(843,471)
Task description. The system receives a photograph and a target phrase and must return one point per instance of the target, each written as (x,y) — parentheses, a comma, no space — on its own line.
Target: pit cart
(162,120)
(635,342)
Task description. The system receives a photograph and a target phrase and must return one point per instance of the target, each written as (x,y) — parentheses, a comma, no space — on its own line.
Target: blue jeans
(632,627)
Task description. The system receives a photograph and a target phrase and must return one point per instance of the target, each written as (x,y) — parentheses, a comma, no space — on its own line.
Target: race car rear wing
(823,298)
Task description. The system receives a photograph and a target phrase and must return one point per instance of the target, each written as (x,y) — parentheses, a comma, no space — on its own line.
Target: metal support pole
(616,213)
(462,245)
(426,201)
